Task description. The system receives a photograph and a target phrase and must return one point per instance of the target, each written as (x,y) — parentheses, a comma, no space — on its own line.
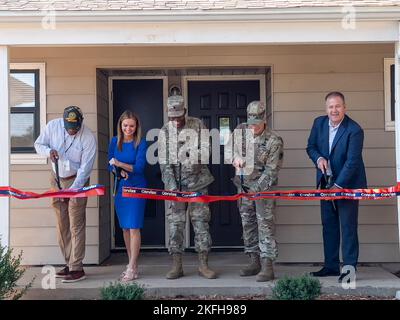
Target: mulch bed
(351,297)
(262,297)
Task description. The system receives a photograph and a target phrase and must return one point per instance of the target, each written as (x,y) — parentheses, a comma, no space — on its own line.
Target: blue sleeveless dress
(130,211)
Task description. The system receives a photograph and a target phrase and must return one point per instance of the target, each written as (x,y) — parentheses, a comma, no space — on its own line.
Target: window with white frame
(27,110)
(389,93)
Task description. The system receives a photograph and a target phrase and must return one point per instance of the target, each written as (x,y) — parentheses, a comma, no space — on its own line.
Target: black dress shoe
(325,272)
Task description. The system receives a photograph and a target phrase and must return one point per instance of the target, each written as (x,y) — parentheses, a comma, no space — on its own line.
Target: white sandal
(129,275)
(123,273)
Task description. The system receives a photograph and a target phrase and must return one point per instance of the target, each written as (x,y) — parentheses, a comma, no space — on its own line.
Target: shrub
(10,272)
(119,291)
(297,288)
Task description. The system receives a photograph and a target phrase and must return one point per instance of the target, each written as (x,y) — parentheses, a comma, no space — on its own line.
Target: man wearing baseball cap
(258,216)
(185,175)
(71,146)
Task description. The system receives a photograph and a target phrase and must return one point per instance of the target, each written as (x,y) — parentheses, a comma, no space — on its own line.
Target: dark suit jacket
(346,155)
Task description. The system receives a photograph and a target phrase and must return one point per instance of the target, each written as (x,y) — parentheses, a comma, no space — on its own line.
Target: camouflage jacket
(180,161)
(268,158)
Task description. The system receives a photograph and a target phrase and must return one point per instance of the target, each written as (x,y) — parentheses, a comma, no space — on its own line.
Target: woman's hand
(127,167)
(124,174)
(114,162)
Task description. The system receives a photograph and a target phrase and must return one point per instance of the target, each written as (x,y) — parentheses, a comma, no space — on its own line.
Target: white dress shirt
(76,153)
(332,134)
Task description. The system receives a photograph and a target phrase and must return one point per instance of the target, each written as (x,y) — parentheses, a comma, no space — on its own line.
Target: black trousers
(342,221)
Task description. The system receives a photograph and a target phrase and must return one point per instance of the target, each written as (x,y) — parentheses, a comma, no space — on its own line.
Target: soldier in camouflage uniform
(258,216)
(184,174)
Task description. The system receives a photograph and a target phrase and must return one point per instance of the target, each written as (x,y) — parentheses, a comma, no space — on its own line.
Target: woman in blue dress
(127,155)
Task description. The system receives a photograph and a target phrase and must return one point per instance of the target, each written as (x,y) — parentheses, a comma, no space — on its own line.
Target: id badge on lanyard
(66,165)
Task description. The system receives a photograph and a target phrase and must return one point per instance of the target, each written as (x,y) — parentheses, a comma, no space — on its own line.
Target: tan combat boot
(267,271)
(204,270)
(177,270)
(253,267)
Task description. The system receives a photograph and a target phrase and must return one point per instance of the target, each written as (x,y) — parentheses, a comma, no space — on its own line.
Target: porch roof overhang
(177,27)
(261,14)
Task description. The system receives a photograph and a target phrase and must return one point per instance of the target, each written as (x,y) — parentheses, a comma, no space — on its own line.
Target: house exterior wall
(301,76)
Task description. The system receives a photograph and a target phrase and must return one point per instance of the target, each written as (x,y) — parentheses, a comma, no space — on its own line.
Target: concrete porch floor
(372,279)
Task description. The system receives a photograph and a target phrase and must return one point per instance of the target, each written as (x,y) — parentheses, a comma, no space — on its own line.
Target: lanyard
(73,140)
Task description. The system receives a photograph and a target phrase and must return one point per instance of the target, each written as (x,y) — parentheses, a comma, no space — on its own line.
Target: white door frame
(4,144)
(397,121)
(111,130)
(186,79)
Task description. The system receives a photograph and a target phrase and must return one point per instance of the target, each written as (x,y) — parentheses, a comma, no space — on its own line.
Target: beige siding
(45,217)
(305,82)
(46,236)
(42,255)
(305,252)
(300,120)
(301,76)
(310,215)
(297,158)
(311,101)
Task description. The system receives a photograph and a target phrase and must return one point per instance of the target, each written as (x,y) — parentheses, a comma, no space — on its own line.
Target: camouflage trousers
(199,214)
(259,227)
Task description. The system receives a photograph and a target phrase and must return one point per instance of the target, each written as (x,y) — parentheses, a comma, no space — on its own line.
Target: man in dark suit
(335,146)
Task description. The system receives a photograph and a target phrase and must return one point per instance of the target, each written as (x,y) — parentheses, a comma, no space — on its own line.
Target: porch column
(4,145)
(397,120)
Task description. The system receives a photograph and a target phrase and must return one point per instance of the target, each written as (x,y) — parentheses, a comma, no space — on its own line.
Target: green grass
(119,291)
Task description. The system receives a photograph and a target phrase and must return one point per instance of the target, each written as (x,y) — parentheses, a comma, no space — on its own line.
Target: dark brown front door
(222,105)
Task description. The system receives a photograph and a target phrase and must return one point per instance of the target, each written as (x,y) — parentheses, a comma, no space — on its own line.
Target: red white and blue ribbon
(157,194)
(90,191)
(331,194)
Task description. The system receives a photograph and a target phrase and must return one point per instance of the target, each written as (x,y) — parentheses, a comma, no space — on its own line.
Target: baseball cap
(255,112)
(73,118)
(175,105)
